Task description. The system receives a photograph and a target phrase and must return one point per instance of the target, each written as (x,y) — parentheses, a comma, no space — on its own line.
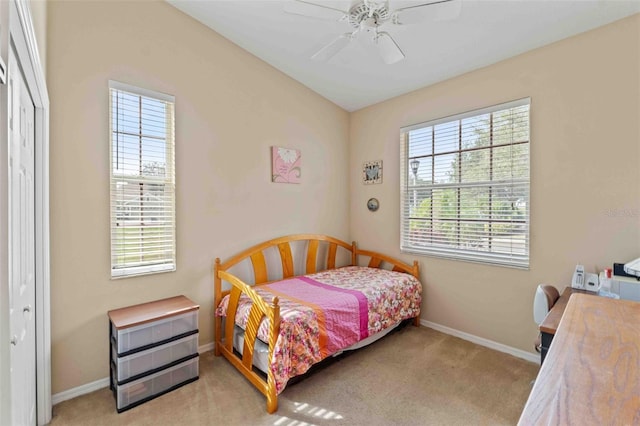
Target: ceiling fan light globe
(369,23)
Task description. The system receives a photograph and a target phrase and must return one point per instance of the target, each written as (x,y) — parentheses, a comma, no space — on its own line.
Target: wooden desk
(592,373)
(551,322)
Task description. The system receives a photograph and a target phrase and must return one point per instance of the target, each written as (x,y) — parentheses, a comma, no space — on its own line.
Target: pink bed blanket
(323,313)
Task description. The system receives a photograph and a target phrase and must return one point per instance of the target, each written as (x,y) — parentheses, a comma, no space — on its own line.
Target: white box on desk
(627,287)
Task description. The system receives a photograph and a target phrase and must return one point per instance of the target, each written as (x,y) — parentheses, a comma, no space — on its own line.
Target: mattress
(261,349)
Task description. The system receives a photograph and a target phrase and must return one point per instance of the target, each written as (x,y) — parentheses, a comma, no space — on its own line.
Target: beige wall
(230,108)
(585,175)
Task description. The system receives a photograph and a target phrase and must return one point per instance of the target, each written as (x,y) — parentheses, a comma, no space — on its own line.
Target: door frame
(16,27)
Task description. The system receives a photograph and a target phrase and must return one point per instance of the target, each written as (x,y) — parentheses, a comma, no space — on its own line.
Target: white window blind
(142,181)
(465,186)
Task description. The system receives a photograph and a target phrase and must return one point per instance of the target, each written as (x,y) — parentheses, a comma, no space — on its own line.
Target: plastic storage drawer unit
(142,336)
(153,349)
(150,360)
(135,393)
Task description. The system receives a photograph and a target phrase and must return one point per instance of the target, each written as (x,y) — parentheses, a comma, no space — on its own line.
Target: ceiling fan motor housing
(368,17)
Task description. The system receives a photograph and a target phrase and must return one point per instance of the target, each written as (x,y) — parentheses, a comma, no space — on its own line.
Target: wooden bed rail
(376,260)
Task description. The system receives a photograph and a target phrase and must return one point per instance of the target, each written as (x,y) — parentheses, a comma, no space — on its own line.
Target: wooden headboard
(256,254)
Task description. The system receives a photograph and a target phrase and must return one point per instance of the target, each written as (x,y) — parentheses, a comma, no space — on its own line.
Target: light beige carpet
(416,376)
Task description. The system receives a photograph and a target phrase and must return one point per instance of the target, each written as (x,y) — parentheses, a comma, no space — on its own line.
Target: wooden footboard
(259,310)
(314,262)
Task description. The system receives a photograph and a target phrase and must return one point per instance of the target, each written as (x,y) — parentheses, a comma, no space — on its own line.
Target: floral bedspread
(306,336)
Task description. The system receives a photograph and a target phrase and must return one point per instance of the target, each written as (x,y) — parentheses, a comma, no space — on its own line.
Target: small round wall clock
(373,204)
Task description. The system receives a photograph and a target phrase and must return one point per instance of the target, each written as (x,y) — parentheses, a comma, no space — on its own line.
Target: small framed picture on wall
(372,172)
(285,165)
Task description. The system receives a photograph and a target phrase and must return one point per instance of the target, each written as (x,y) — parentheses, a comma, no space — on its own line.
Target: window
(142,181)
(465,186)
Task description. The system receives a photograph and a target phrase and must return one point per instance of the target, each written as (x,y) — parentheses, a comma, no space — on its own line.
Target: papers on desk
(608,294)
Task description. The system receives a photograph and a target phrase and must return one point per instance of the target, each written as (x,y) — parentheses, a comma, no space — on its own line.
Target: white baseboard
(102,383)
(206,348)
(80,390)
(529,356)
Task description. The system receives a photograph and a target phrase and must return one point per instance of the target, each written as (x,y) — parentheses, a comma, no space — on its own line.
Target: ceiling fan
(366,17)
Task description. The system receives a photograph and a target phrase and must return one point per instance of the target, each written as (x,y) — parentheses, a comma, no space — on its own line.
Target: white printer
(626,280)
(633,267)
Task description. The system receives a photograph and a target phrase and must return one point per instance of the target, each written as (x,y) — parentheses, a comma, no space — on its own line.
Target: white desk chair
(546,296)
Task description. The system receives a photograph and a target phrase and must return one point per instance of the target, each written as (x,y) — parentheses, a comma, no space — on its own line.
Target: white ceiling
(485,32)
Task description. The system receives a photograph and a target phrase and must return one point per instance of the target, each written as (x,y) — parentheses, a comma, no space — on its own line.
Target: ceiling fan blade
(449,10)
(388,48)
(331,49)
(314,10)
(443,10)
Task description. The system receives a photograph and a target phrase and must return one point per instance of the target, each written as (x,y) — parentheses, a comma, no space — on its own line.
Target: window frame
(408,244)
(168,181)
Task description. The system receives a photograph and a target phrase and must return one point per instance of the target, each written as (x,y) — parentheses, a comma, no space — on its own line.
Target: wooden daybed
(330,267)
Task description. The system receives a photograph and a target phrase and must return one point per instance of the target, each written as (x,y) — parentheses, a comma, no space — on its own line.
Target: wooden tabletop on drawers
(592,371)
(552,320)
(151,311)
